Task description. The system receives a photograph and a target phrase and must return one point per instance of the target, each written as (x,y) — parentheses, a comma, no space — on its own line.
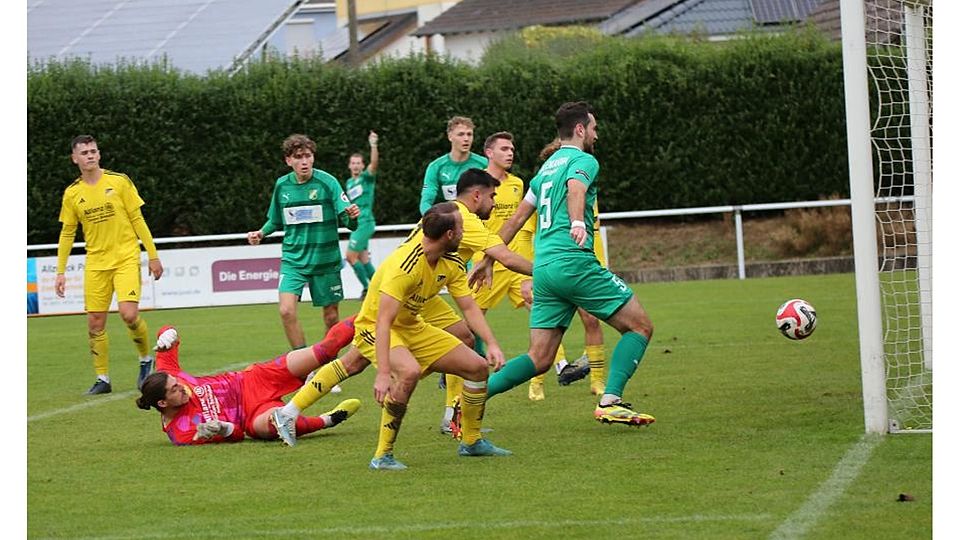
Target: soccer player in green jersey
(308,205)
(440,180)
(360,189)
(567,274)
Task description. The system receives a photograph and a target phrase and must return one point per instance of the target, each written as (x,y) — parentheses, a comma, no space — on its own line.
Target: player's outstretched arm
(511,260)
(516,221)
(373,139)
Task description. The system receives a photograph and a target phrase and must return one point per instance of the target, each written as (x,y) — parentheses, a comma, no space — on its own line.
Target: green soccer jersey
(440,180)
(548,192)
(360,191)
(309,214)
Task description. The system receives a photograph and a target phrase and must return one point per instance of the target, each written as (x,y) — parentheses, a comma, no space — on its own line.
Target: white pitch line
(443,526)
(95,401)
(817,504)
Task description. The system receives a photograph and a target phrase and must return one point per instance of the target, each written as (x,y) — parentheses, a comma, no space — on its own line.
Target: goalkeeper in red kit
(225,407)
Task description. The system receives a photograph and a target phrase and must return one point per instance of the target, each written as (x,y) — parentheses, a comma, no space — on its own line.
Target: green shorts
(561,286)
(325,289)
(360,238)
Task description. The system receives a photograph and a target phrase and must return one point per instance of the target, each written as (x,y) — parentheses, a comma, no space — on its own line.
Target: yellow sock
(138,333)
(596,356)
(561,354)
(471,410)
(100,352)
(323,380)
(454,387)
(390,419)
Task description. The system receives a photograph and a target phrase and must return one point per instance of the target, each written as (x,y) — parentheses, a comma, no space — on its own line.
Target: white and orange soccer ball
(796,319)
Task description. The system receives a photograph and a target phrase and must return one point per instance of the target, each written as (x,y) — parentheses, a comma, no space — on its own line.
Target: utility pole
(353,53)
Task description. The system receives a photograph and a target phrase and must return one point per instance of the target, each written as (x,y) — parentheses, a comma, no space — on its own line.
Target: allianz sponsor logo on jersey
(295,215)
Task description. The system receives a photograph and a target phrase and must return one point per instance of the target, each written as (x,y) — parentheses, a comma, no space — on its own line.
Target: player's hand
(578,231)
(495,357)
(167,339)
(254,237)
(381,386)
(481,275)
(61,285)
(373,138)
(353,211)
(526,291)
(156,269)
(211,428)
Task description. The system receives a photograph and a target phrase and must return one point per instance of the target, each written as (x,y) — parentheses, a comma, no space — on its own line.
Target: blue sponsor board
(33,302)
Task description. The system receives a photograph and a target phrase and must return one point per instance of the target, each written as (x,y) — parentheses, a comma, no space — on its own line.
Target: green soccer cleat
(482,447)
(345,409)
(621,413)
(286,427)
(386,462)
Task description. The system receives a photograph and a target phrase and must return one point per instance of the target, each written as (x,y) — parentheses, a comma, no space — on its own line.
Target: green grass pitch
(756,436)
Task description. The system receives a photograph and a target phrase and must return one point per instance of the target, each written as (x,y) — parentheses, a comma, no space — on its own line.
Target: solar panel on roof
(774,11)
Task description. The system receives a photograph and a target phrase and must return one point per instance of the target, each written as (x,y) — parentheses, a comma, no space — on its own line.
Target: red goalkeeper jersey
(213,397)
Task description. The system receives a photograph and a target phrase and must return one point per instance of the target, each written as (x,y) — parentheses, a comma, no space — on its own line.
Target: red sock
(309,424)
(337,338)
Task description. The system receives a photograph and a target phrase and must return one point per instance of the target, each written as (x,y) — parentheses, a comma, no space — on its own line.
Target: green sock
(361,273)
(626,357)
(368,266)
(514,373)
(479,346)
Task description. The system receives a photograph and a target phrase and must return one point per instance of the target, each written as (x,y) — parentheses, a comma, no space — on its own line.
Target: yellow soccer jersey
(524,238)
(476,237)
(406,276)
(103,212)
(508,197)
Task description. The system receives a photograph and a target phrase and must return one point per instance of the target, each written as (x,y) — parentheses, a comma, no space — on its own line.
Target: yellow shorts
(99,286)
(437,312)
(426,343)
(598,249)
(505,282)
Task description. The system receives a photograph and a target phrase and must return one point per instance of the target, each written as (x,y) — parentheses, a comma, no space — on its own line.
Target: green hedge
(682,123)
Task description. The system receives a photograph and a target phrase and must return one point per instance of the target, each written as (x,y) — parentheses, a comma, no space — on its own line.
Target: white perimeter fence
(244,274)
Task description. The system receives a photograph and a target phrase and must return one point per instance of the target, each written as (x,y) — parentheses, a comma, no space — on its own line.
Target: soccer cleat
(146,367)
(100,387)
(621,413)
(286,427)
(386,462)
(535,392)
(345,409)
(336,389)
(480,448)
(573,372)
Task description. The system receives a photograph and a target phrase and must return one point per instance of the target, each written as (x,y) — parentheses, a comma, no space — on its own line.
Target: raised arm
(374,153)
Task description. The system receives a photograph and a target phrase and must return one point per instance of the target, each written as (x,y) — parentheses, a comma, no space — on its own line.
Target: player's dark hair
(569,115)
(439,219)
(458,120)
(473,178)
(506,135)
(81,139)
(296,143)
(153,390)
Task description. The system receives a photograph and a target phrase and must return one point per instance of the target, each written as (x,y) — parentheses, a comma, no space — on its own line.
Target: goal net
(898,39)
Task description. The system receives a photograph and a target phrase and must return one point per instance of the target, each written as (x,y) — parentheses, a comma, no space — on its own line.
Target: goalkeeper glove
(212,428)
(168,338)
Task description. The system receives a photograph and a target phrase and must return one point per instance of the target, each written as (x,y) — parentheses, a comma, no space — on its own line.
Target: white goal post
(888,72)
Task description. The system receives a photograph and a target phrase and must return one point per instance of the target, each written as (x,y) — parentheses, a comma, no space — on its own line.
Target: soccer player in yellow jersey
(107,206)
(392,333)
